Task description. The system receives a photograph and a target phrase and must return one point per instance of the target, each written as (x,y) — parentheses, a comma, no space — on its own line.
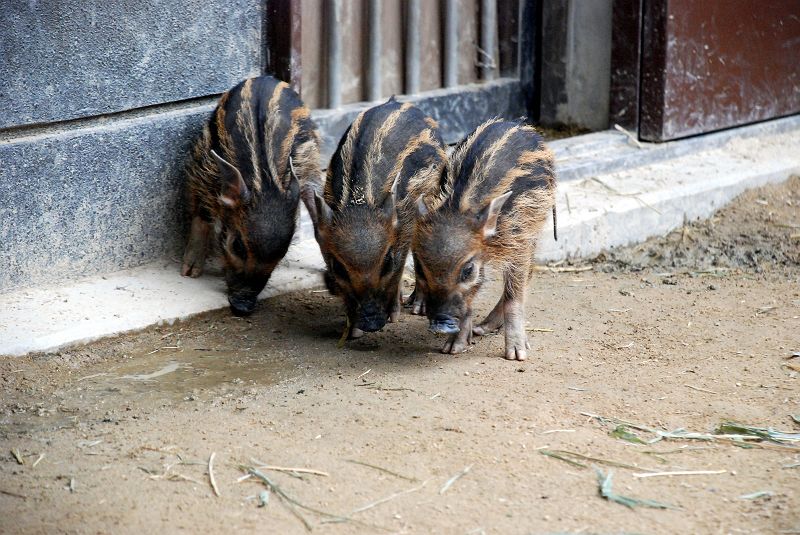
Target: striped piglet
(389,157)
(498,190)
(244,180)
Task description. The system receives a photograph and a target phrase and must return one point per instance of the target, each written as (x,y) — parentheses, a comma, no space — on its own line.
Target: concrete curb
(618,202)
(610,151)
(50,318)
(601,211)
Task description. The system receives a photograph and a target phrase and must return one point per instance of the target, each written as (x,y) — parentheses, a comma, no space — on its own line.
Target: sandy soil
(682,332)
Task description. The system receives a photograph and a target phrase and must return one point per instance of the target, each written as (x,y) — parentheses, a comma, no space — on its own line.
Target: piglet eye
(339,270)
(238,247)
(466,272)
(388,264)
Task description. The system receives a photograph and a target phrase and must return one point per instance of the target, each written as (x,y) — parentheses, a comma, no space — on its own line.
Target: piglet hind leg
(416,301)
(514,313)
(194,257)
(417,298)
(458,342)
(397,304)
(493,321)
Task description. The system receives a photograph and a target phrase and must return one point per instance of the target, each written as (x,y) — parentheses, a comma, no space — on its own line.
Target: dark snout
(242,305)
(444,324)
(371,317)
(243,290)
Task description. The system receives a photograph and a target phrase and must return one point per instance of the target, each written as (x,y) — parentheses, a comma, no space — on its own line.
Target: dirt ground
(688,331)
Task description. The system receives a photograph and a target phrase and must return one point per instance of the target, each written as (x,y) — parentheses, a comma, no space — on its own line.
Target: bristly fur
(259,150)
(498,190)
(501,156)
(390,156)
(383,141)
(256,126)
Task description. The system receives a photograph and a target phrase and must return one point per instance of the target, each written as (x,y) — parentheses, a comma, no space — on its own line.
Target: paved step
(604,210)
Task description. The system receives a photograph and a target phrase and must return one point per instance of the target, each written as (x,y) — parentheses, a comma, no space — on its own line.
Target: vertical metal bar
(450,43)
(412,46)
(488,38)
(653,65)
(507,38)
(283,32)
(530,55)
(374,50)
(296,56)
(333,16)
(626,56)
(267,39)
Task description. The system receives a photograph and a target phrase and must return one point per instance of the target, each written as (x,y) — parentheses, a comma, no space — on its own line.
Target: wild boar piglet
(498,190)
(390,156)
(255,155)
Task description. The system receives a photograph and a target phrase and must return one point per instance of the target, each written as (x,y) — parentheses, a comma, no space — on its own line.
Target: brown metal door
(708,65)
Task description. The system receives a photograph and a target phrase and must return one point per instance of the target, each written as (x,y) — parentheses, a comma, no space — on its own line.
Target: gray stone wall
(93,199)
(99,103)
(63,59)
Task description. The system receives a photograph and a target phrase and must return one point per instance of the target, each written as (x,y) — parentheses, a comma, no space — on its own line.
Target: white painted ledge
(600,211)
(50,318)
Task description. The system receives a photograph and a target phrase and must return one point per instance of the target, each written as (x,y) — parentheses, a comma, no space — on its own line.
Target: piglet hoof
(460,341)
(191,270)
(355,333)
(416,301)
(453,346)
(515,352)
(483,330)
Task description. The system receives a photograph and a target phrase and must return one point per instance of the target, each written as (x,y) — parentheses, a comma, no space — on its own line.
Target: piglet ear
(308,195)
(291,182)
(322,212)
(422,208)
(390,202)
(292,172)
(234,191)
(314,203)
(487,219)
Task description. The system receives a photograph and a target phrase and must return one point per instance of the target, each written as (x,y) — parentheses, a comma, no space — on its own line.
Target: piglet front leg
(416,301)
(493,321)
(458,342)
(397,304)
(516,338)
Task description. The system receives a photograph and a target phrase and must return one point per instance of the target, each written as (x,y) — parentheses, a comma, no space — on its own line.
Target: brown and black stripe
(501,156)
(383,141)
(256,127)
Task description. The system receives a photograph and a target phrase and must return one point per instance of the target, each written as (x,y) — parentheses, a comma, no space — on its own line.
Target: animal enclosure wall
(101,102)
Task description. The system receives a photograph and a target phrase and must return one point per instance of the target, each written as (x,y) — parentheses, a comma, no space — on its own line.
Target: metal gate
(461,61)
